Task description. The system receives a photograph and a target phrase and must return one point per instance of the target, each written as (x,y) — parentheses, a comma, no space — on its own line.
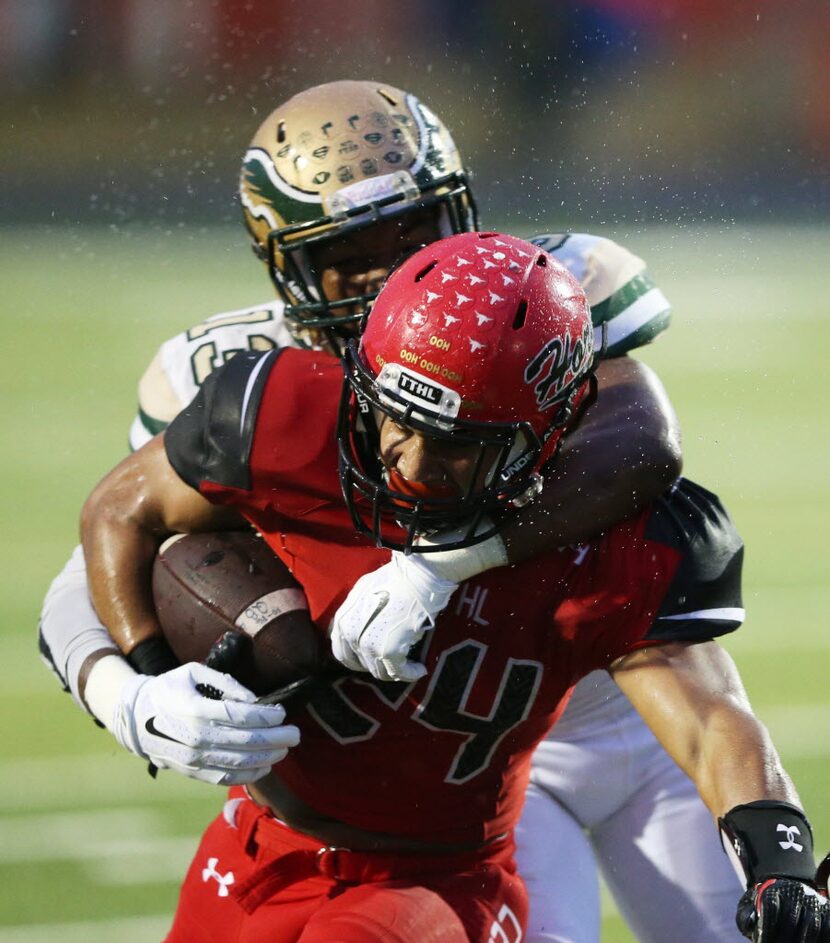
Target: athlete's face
(423,466)
(358,262)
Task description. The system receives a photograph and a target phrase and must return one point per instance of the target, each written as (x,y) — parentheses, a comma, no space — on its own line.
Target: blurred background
(116,111)
(694,132)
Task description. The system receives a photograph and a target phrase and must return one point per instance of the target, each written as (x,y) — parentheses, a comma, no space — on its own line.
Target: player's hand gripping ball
(227,600)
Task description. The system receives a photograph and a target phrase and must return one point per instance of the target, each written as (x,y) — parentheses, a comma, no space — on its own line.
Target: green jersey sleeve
(619,288)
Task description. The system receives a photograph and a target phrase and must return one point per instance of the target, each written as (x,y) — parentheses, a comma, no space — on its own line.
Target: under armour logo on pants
(224,880)
(507,921)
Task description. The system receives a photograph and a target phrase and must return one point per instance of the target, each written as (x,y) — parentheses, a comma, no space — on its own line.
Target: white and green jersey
(181,364)
(620,292)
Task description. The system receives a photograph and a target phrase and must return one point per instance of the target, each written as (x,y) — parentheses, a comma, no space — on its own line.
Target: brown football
(227,600)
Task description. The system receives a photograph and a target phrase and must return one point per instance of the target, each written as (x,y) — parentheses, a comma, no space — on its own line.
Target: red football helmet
(479,338)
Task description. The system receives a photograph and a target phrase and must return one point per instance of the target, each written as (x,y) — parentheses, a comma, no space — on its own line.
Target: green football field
(91,849)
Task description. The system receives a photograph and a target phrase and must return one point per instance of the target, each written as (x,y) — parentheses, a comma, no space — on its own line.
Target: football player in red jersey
(393,816)
(328,211)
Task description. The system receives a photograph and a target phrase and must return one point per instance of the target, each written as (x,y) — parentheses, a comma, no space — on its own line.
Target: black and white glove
(386,612)
(390,610)
(781,910)
(771,846)
(225,738)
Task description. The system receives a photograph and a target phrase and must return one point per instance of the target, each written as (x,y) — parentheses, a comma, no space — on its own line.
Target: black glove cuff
(153,656)
(769,839)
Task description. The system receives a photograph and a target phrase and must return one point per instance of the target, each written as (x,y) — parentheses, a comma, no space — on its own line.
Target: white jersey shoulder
(182,363)
(619,288)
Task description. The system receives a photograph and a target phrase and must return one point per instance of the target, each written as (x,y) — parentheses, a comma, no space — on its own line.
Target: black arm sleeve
(210,440)
(704,598)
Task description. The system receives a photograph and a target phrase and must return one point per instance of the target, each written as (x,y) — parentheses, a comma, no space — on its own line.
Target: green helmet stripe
(288,202)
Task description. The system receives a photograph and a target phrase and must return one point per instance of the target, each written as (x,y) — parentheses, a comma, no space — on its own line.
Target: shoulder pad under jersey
(211,438)
(182,363)
(704,598)
(620,291)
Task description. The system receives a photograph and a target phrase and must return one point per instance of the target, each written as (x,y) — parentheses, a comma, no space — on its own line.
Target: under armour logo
(792,831)
(224,880)
(506,929)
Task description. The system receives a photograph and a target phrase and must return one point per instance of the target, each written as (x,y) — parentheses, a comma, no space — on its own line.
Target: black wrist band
(153,656)
(769,839)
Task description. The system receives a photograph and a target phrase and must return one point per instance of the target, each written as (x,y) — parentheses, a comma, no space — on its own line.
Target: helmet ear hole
(542,260)
(387,97)
(521,314)
(426,270)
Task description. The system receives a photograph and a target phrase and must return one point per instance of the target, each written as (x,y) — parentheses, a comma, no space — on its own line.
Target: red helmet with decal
(479,338)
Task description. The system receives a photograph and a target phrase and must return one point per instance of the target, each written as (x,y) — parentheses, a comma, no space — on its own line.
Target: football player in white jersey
(337,183)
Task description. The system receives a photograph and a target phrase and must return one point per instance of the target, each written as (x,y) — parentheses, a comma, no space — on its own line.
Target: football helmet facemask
(481,341)
(329,164)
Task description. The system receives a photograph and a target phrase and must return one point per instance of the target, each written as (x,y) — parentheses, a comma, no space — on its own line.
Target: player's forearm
(692,698)
(120,533)
(130,512)
(119,556)
(622,456)
(737,763)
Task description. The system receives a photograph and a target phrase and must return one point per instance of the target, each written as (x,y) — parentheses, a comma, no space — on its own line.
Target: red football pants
(255,881)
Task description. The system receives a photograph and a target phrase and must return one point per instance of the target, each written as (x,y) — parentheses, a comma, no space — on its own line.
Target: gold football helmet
(332,161)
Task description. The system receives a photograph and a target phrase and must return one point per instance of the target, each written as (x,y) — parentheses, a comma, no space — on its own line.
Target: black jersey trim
(704,598)
(211,439)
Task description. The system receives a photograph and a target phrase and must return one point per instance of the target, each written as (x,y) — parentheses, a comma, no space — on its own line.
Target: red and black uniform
(445,759)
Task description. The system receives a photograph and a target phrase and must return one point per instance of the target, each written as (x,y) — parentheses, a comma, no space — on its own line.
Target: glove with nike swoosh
(387,612)
(225,738)
(771,845)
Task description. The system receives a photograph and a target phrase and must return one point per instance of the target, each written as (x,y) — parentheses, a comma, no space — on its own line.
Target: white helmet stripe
(423,134)
(260,211)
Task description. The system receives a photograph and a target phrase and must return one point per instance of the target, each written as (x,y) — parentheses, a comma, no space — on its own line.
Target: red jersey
(447,758)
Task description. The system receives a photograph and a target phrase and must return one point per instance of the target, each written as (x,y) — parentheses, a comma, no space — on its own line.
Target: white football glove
(387,612)
(226,739)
